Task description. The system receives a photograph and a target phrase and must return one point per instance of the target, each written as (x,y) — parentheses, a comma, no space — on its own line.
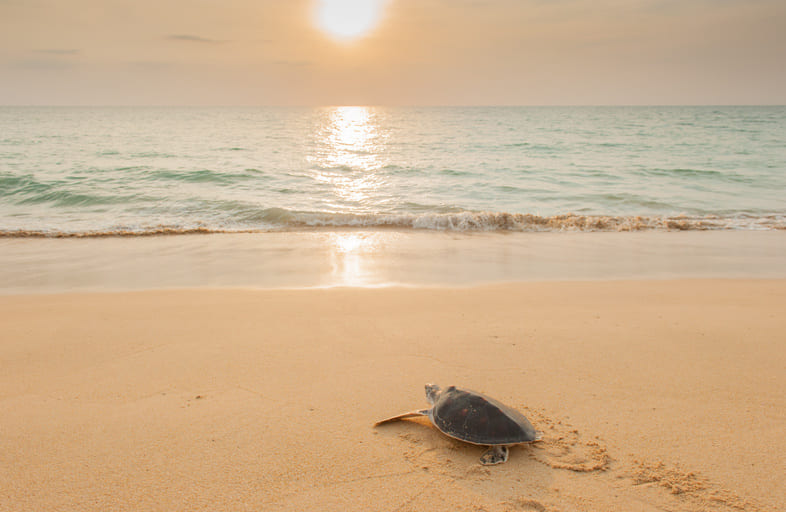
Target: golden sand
(652,395)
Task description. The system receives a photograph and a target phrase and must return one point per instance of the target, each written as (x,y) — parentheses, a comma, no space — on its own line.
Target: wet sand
(652,395)
(362,258)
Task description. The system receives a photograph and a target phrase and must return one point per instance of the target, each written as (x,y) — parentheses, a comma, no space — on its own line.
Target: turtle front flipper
(494,455)
(410,414)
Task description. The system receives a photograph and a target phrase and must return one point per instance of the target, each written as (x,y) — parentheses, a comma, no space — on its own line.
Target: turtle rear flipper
(410,414)
(494,455)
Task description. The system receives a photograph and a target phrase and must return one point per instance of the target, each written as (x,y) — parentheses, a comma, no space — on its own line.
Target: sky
(407,52)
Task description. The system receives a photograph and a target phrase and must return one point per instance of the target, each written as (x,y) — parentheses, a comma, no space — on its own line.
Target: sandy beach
(652,395)
(236,237)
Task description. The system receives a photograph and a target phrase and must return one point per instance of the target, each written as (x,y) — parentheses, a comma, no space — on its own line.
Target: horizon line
(382,105)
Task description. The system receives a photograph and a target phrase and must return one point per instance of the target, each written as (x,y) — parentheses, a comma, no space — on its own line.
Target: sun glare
(351,150)
(347,20)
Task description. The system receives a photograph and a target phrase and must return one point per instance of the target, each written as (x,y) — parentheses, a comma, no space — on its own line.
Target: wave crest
(278,219)
(526,222)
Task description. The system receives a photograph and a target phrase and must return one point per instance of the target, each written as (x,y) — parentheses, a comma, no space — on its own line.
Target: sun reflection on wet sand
(352,257)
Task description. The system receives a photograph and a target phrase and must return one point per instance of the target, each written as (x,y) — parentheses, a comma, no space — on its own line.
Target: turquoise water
(94,171)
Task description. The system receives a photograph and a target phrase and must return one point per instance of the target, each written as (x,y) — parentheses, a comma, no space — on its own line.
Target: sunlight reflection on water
(350,149)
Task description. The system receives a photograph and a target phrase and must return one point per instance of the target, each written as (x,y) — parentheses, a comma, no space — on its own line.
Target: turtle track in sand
(670,486)
(564,447)
(688,488)
(655,485)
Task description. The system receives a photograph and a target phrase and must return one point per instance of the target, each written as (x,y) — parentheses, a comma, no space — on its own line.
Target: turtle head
(432,392)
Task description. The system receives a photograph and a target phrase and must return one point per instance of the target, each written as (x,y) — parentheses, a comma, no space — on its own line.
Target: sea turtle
(474,418)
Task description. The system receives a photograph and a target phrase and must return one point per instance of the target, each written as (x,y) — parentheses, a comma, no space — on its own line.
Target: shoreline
(488,222)
(380,258)
(651,394)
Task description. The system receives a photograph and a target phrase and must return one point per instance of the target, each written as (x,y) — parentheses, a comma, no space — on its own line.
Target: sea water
(138,171)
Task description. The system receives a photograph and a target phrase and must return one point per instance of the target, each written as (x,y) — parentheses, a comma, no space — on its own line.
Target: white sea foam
(461,222)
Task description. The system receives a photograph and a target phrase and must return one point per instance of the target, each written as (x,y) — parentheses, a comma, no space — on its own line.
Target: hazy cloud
(193,39)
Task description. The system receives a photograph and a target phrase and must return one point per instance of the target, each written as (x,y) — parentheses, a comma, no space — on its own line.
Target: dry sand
(653,395)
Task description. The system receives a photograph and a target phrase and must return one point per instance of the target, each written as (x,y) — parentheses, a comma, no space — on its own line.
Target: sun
(347,20)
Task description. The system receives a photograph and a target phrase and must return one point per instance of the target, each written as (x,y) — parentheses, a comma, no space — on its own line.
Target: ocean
(103,171)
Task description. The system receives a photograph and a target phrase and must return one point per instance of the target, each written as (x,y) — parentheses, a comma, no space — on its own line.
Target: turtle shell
(475,418)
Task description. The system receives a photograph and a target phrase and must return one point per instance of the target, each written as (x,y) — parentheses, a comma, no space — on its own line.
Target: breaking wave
(277,220)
